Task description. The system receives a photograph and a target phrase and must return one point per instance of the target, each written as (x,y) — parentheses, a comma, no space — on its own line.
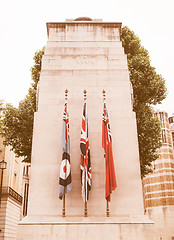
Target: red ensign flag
(107,145)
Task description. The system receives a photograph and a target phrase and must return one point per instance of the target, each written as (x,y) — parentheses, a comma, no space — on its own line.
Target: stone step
(84,62)
(83,44)
(83,50)
(84,66)
(83,81)
(56,37)
(90,55)
(84,72)
(94,77)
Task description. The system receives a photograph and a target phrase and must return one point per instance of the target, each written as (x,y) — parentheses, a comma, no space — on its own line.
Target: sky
(23,31)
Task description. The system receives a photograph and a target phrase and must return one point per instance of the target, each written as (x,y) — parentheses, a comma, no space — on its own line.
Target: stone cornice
(75,23)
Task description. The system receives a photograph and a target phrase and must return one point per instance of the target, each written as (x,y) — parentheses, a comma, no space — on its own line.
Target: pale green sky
(23,31)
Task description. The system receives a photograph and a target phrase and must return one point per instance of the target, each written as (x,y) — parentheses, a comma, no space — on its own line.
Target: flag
(85,164)
(107,145)
(65,184)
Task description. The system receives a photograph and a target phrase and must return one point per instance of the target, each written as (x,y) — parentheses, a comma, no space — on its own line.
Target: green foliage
(1,110)
(1,116)
(149,137)
(35,70)
(149,88)
(18,122)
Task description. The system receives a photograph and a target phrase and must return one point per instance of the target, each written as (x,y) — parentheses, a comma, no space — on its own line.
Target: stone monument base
(86,228)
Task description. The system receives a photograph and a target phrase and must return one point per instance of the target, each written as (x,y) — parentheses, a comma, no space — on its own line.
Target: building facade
(171,125)
(14,193)
(159,185)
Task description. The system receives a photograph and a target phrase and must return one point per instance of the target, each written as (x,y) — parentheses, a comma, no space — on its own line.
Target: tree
(1,110)
(18,122)
(148,88)
(149,137)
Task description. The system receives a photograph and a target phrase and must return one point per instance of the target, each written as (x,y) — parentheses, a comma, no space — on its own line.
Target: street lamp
(3,165)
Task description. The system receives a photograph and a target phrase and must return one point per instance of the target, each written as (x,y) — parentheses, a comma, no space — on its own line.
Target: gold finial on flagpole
(104,95)
(84,94)
(66,94)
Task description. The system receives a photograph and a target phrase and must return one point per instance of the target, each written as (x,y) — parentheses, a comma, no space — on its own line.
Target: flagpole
(86,205)
(107,202)
(63,208)
(107,209)
(86,209)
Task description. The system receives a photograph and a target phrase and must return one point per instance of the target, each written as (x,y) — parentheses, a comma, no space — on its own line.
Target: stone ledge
(76,220)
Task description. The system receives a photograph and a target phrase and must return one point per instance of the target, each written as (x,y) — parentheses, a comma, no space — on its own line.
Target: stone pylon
(85,55)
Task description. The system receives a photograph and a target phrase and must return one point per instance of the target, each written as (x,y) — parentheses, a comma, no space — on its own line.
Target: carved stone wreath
(83,19)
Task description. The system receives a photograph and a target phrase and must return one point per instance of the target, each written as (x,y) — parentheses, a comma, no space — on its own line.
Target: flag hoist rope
(107,202)
(63,208)
(86,206)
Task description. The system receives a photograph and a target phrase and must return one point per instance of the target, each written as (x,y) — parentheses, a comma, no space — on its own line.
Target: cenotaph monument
(85,54)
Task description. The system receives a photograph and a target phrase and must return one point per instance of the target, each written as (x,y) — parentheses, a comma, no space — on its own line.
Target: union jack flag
(107,145)
(85,164)
(65,184)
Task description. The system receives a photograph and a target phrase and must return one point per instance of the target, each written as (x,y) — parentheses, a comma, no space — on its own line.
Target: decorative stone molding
(9,192)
